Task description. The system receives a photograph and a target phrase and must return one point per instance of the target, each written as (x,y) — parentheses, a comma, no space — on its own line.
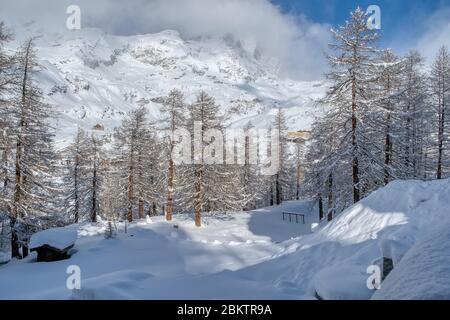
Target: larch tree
(440,86)
(95,155)
(111,198)
(415,118)
(252,185)
(133,142)
(383,121)
(7,81)
(34,154)
(389,85)
(174,112)
(212,183)
(353,71)
(79,164)
(281,178)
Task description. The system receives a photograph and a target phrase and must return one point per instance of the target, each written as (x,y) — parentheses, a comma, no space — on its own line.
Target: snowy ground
(258,256)
(156,260)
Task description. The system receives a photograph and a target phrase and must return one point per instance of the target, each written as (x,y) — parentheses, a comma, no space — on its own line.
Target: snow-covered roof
(59,238)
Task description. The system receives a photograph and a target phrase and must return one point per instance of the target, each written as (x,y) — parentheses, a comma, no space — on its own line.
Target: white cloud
(437,33)
(297,43)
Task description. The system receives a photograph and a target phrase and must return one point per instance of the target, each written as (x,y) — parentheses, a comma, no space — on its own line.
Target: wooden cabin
(47,253)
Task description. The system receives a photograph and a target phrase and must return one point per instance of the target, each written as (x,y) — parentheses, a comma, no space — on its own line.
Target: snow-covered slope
(256,255)
(154,260)
(95,78)
(424,272)
(333,262)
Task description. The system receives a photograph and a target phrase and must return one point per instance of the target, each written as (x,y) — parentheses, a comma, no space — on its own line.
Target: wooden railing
(294,214)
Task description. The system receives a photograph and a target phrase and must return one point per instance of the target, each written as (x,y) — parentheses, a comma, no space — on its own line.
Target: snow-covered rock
(4,257)
(59,238)
(347,282)
(333,261)
(423,273)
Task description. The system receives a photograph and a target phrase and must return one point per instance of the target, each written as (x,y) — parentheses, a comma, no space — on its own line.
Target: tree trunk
(141,208)
(355,164)
(94,194)
(297,193)
(198,200)
(278,190)
(198,218)
(387,151)
(330,197)
(408,140)
(77,200)
(15,249)
(25,251)
(5,162)
(271,195)
(320,206)
(440,137)
(169,209)
(130,186)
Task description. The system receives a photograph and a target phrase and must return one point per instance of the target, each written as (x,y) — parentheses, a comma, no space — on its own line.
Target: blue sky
(403,21)
(276,27)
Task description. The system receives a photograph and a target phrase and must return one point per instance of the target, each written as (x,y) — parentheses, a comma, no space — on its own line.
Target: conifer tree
(33,137)
(174,117)
(353,72)
(440,86)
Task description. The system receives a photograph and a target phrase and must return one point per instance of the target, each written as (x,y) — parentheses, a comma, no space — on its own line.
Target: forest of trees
(386,118)
(123,176)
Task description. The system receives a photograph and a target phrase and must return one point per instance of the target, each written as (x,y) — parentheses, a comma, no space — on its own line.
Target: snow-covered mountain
(95,78)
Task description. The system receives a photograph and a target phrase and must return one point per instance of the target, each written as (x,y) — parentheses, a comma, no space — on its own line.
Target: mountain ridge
(94,78)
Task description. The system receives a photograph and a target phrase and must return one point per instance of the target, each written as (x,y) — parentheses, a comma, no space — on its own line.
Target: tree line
(126,175)
(387,118)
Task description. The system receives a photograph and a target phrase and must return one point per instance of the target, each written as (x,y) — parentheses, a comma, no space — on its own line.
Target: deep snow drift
(424,272)
(256,255)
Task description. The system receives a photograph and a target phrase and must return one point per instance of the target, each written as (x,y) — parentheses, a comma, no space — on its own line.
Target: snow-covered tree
(281,178)
(353,72)
(112,198)
(211,183)
(253,185)
(94,156)
(378,124)
(440,87)
(33,138)
(415,118)
(136,146)
(327,167)
(174,112)
(7,81)
(79,165)
(382,123)
(388,112)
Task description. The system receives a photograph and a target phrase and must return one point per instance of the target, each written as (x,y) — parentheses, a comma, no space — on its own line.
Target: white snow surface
(59,238)
(4,257)
(256,255)
(424,272)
